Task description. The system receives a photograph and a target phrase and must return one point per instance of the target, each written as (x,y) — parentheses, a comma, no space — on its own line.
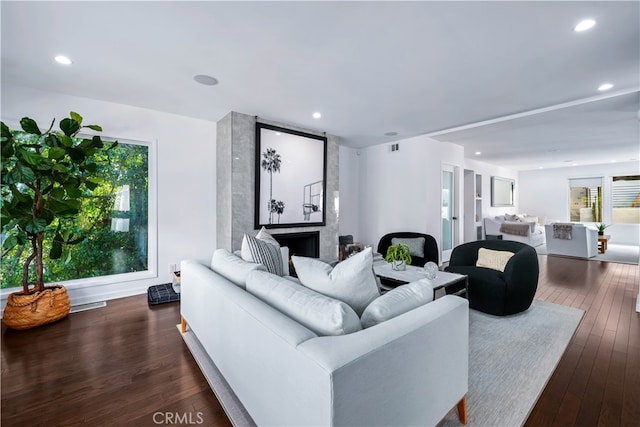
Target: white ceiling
(369,67)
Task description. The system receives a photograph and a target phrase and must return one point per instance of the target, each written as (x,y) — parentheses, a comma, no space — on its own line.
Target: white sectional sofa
(582,244)
(409,370)
(533,236)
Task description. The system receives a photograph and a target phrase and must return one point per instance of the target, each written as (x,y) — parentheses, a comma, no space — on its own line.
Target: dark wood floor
(126,364)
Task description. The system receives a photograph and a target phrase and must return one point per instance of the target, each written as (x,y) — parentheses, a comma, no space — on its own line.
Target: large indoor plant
(45,175)
(399,256)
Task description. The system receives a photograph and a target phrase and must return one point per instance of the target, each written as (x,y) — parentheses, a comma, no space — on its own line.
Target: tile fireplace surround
(235,185)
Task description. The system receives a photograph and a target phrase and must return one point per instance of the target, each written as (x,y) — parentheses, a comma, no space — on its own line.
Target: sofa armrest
(416,363)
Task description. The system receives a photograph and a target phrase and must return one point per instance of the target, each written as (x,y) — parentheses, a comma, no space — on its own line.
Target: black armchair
(430,246)
(493,291)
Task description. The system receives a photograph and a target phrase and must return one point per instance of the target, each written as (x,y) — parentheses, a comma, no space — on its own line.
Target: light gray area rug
(511,359)
(625,254)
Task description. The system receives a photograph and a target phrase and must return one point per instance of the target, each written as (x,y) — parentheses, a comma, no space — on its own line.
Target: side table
(602,243)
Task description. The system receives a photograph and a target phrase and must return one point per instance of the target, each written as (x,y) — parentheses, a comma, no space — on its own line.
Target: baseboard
(225,395)
(85,307)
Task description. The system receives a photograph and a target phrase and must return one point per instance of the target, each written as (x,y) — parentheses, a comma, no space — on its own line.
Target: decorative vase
(399,265)
(26,311)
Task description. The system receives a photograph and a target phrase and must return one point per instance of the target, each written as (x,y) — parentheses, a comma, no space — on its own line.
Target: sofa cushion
(496,260)
(416,245)
(262,252)
(396,302)
(232,267)
(351,281)
(510,217)
(320,313)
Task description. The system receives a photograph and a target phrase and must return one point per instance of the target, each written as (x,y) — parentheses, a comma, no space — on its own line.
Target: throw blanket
(517,228)
(562,231)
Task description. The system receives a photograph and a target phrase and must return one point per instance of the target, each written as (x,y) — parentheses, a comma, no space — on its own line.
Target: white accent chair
(583,242)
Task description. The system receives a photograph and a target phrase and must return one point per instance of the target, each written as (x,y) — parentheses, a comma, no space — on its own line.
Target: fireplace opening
(301,244)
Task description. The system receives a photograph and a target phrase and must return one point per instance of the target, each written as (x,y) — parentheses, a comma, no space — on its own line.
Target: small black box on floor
(493,237)
(159,294)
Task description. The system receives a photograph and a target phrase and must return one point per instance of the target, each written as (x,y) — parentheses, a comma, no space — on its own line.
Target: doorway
(449,210)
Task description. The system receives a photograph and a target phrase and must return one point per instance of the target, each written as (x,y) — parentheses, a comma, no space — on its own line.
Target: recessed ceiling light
(61,59)
(391,133)
(206,80)
(317,115)
(584,25)
(574,164)
(278,134)
(540,167)
(605,86)
(613,161)
(478,153)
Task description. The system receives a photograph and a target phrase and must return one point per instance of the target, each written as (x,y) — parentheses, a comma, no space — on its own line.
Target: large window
(114,221)
(585,200)
(625,199)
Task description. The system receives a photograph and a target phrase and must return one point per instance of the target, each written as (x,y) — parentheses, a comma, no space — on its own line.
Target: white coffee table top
(413,273)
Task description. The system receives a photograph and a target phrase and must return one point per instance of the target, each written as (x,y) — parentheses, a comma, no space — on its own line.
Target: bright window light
(605,86)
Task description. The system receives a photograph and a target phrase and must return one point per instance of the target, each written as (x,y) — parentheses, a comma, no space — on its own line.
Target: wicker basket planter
(36,309)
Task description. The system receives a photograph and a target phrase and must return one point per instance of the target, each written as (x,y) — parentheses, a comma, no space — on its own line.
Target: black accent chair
(493,291)
(430,246)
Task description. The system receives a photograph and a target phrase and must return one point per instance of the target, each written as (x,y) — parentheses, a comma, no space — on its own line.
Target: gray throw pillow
(416,245)
(263,253)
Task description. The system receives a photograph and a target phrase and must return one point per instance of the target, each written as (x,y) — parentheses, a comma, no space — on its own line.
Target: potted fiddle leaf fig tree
(45,176)
(399,256)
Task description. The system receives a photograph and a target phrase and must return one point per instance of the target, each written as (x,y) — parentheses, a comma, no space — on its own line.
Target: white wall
(185,169)
(401,191)
(546,193)
(487,171)
(349,219)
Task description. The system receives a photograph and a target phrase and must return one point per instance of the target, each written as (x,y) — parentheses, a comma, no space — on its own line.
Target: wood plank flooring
(126,365)
(597,382)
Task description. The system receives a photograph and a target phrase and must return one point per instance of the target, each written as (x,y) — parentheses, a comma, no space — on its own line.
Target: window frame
(152,234)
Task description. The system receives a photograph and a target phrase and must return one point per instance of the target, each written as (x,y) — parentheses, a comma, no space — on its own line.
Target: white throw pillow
(351,281)
(496,260)
(264,235)
(396,302)
(263,253)
(232,267)
(319,313)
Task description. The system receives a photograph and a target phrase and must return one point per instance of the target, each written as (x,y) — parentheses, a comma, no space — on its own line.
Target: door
(449,212)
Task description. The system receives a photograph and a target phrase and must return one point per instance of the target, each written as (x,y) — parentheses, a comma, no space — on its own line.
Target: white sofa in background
(583,242)
(409,370)
(535,235)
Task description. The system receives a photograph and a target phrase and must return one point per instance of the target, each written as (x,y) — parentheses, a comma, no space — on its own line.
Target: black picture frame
(291,178)
(502,190)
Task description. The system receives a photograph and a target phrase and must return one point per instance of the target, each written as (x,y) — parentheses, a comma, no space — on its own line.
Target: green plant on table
(601,227)
(398,252)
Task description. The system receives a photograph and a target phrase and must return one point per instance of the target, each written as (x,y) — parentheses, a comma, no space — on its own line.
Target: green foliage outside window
(115,238)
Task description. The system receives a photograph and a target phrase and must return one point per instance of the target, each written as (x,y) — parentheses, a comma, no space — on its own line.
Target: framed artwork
(291,178)
(502,191)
